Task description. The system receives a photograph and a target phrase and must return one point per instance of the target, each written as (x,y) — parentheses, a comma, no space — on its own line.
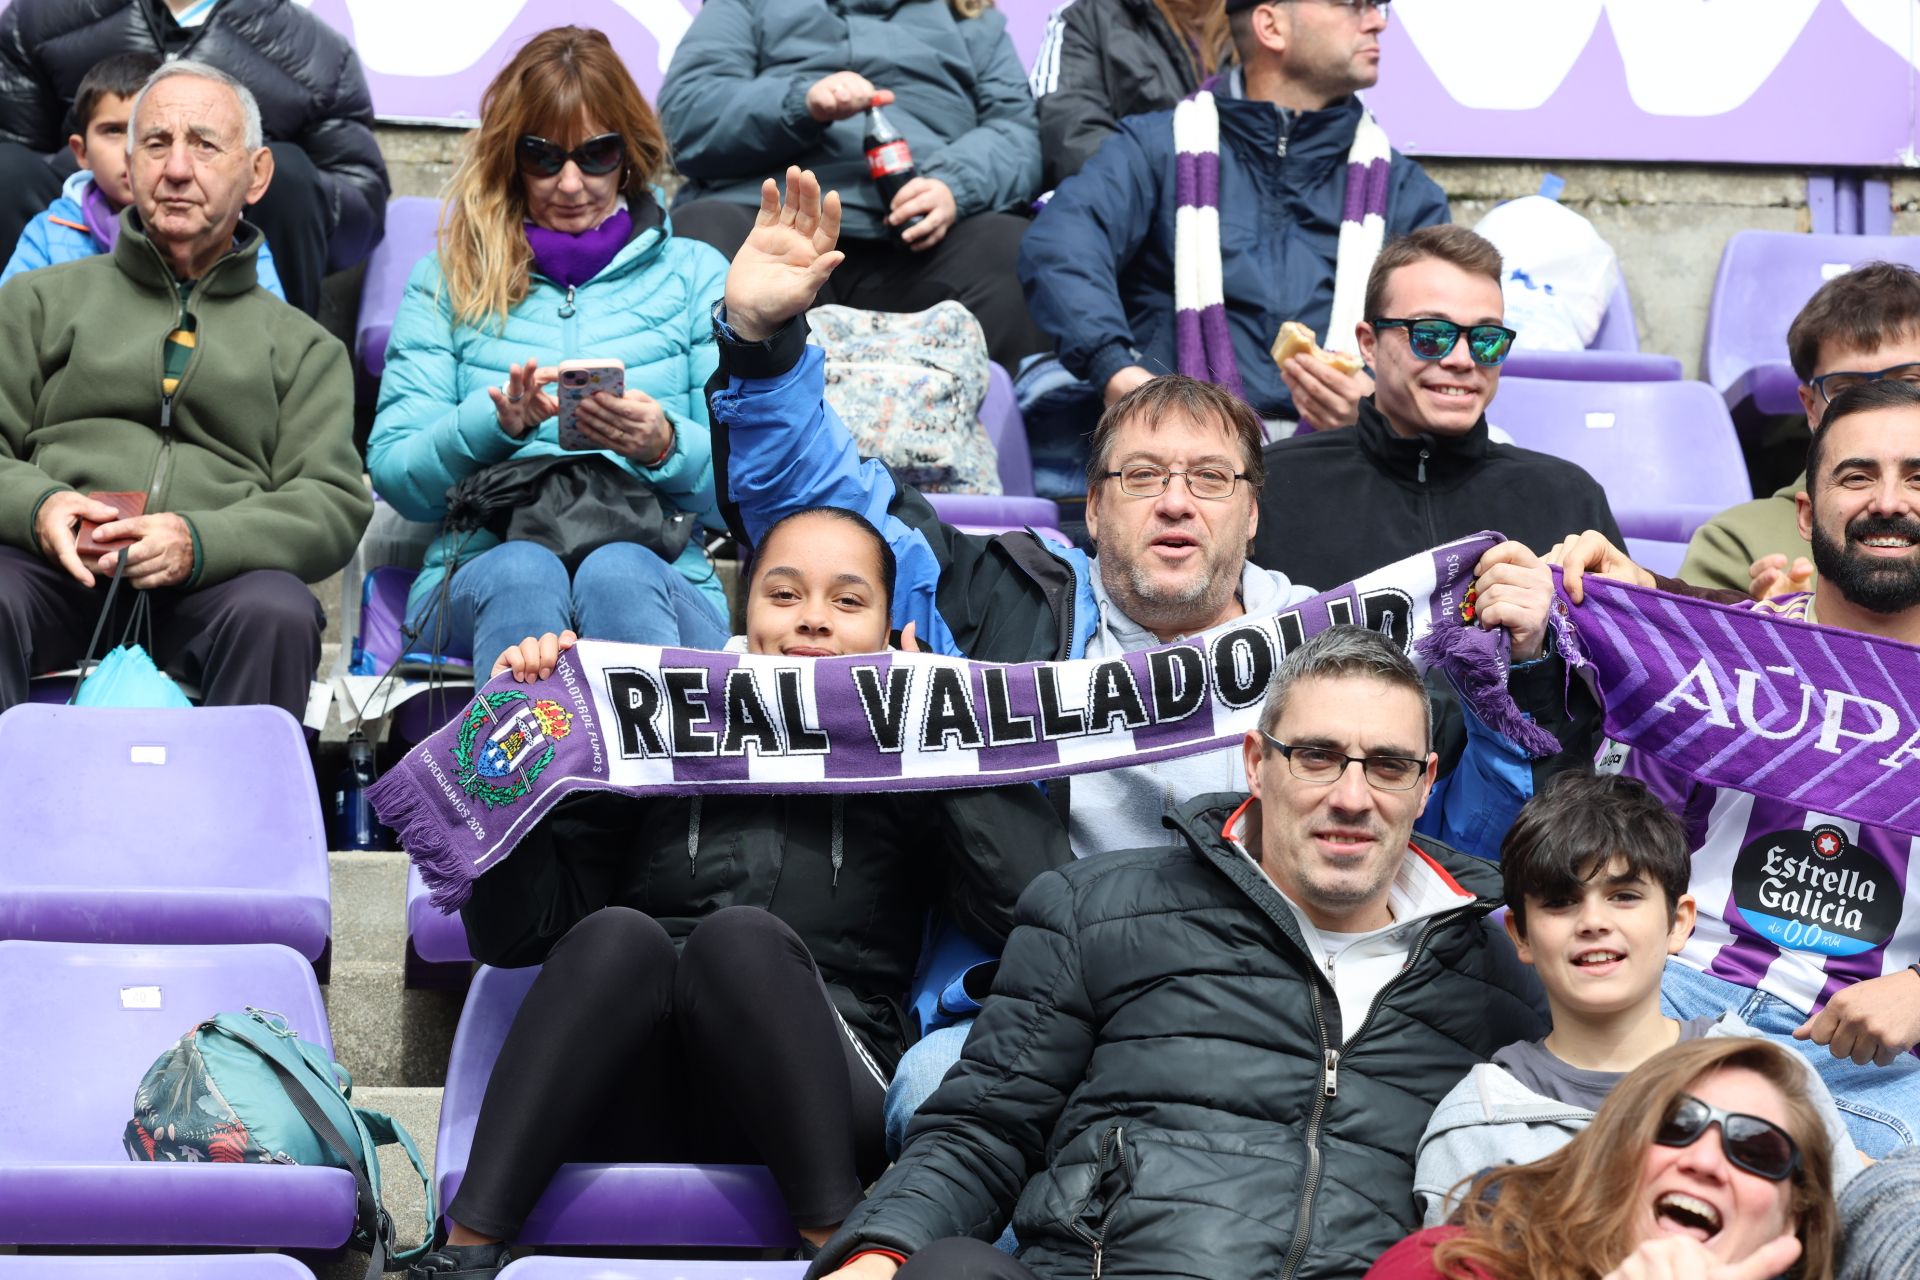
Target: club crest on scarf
(516,751)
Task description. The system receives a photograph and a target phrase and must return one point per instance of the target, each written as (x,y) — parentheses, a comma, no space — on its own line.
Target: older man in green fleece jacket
(163,370)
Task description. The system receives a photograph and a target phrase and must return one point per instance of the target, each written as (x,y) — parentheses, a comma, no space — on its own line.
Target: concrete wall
(1668,222)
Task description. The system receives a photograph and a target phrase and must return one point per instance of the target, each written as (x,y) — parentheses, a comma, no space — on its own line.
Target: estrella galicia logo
(1815,891)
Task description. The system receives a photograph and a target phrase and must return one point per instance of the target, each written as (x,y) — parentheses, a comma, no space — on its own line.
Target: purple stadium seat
(1614,355)
(609,1205)
(191,825)
(1765,278)
(380,641)
(1665,452)
(177,1266)
(411,223)
(996,510)
(437,951)
(1663,558)
(1000,415)
(545,1268)
(83,1023)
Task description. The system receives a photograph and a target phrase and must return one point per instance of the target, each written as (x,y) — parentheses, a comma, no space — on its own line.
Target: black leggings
(730,1053)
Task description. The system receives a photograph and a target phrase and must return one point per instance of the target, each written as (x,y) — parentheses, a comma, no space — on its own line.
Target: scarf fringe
(1476,661)
(404,806)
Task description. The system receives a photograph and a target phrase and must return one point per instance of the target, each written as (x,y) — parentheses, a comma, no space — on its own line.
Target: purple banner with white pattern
(1823,719)
(1803,82)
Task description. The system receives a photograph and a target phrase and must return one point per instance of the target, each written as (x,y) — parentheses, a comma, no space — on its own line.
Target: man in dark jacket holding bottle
(1101,261)
(1216,1058)
(328,204)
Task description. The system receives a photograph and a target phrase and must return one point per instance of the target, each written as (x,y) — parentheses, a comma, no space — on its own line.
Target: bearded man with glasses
(1215,1057)
(1863,326)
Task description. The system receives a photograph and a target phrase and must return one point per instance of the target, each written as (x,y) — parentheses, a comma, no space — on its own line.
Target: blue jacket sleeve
(31,251)
(1473,804)
(266,273)
(723,116)
(1072,256)
(787,450)
(995,165)
(425,437)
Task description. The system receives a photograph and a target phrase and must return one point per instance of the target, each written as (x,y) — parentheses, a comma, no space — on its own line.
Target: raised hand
(786,258)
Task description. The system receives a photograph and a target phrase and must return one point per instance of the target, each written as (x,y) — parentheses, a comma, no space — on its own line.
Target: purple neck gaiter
(102,218)
(569,259)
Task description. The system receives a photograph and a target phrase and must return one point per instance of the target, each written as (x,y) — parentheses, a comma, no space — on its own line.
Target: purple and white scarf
(645,720)
(1203,344)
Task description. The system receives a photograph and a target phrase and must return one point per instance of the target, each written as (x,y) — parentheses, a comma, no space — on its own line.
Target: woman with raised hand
(727,981)
(1708,1162)
(553,246)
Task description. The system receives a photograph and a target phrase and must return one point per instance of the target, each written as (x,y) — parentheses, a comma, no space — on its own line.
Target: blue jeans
(922,1068)
(620,592)
(1881,1105)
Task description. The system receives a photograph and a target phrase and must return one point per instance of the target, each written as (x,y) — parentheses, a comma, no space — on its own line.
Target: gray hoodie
(1490,1119)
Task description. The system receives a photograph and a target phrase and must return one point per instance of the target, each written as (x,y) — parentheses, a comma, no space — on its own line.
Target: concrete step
(418,1111)
(387,1036)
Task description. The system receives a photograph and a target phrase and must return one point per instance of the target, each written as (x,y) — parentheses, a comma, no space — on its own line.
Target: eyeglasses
(1830,385)
(1761,1147)
(597,155)
(1488,344)
(1361,7)
(1149,480)
(1322,766)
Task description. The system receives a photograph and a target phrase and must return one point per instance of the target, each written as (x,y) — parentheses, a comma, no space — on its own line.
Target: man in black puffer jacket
(328,203)
(1215,1059)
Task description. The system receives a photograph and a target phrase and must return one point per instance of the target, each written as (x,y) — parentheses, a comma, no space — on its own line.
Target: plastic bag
(1559,274)
(127,677)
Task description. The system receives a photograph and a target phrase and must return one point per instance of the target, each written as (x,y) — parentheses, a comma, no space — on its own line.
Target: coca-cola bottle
(889,158)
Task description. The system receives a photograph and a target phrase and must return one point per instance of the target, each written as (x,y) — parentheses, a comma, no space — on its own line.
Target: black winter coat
(1101,60)
(307,78)
(853,876)
(1338,504)
(1161,1078)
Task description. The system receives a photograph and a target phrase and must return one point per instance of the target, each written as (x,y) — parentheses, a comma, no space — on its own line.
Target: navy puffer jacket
(1098,263)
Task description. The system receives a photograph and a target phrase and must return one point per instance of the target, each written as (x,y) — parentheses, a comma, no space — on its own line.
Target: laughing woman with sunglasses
(1708,1162)
(553,245)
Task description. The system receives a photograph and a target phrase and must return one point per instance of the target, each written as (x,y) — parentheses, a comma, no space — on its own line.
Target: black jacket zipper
(1330,1088)
(1117,1136)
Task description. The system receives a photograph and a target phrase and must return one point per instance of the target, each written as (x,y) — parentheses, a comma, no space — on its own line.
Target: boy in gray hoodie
(1595,872)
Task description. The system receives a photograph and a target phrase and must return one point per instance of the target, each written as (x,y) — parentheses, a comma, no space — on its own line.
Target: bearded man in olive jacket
(163,371)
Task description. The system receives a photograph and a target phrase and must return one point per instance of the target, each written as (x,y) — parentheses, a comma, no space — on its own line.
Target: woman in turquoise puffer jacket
(554,246)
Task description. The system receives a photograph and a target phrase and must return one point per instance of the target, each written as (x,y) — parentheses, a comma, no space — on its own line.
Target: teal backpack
(244,1088)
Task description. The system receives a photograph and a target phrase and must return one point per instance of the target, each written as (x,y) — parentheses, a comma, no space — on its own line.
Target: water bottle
(355,825)
(889,158)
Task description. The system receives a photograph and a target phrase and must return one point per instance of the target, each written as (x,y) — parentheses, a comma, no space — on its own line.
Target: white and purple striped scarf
(1202,341)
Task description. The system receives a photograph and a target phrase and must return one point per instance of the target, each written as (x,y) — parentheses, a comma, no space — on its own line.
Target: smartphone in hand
(578,380)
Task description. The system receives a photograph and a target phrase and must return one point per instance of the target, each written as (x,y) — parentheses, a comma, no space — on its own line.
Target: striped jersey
(1792,902)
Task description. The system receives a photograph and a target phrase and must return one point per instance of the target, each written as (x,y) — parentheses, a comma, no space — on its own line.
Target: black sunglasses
(597,155)
(1488,344)
(1761,1147)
